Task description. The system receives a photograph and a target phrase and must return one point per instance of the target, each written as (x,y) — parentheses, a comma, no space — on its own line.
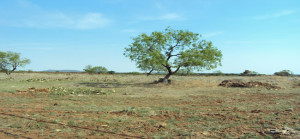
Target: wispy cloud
(63,20)
(26,4)
(275,15)
(171,16)
(32,16)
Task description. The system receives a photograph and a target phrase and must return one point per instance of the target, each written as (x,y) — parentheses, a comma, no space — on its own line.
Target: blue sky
(258,35)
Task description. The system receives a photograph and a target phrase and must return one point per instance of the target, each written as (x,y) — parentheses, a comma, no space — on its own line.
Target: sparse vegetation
(129,106)
(67,91)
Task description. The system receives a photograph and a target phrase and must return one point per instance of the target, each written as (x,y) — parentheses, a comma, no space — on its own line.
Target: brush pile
(252,84)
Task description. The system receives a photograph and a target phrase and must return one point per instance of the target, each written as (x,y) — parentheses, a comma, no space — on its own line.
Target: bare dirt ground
(129,106)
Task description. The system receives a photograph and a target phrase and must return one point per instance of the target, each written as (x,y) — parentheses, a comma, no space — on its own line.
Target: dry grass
(191,107)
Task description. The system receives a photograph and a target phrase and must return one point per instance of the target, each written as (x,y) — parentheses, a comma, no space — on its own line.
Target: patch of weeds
(185,133)
(231,125)
(216,128)
(295,127)
(296,116)
(35,125)
(152,122)
(208,118)
(61,91)
(265,125)
(227,136)
(15,126)
(116,130)
(171,109)
(173,121)
(143,112)
(56,121)
(80,134)
(52,135)
(11,91)
(249,136)
(269,118)
(238,116)
(162,135)
(71,123)
(194,119)
(36,116)
(129,111)
(93,133)
(268,137)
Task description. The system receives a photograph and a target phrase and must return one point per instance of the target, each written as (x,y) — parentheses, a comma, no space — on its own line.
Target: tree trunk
(7,72)
(167,76)
(165,80)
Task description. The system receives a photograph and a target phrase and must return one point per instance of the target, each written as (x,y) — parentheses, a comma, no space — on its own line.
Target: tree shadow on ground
(116,84)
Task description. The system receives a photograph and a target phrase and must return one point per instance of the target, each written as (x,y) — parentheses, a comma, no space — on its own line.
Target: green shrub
(97,69)
(218,73)
(30,71)
(111,72)
(249,73)
(134,73)
(284,73)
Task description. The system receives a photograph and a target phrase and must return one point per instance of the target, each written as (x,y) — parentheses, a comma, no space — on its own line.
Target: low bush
(284,73)
(249,73)
(111,72)
(97,69)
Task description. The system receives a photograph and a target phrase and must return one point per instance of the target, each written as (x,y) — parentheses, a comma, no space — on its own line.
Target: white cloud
(69,21)
(275,15)
(171,16)
(92,20)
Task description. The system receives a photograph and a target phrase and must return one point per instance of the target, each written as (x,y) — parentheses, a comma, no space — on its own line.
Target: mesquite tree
(97,69)
(9,61)
(172,50)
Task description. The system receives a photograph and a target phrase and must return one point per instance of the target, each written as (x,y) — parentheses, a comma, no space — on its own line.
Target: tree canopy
(172,50)
(9,61)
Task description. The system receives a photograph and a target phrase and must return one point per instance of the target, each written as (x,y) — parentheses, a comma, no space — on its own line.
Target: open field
(129,106)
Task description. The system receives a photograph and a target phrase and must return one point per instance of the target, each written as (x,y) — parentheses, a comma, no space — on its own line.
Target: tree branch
(176,55)
(169,54)
(150,72)
(177,69)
